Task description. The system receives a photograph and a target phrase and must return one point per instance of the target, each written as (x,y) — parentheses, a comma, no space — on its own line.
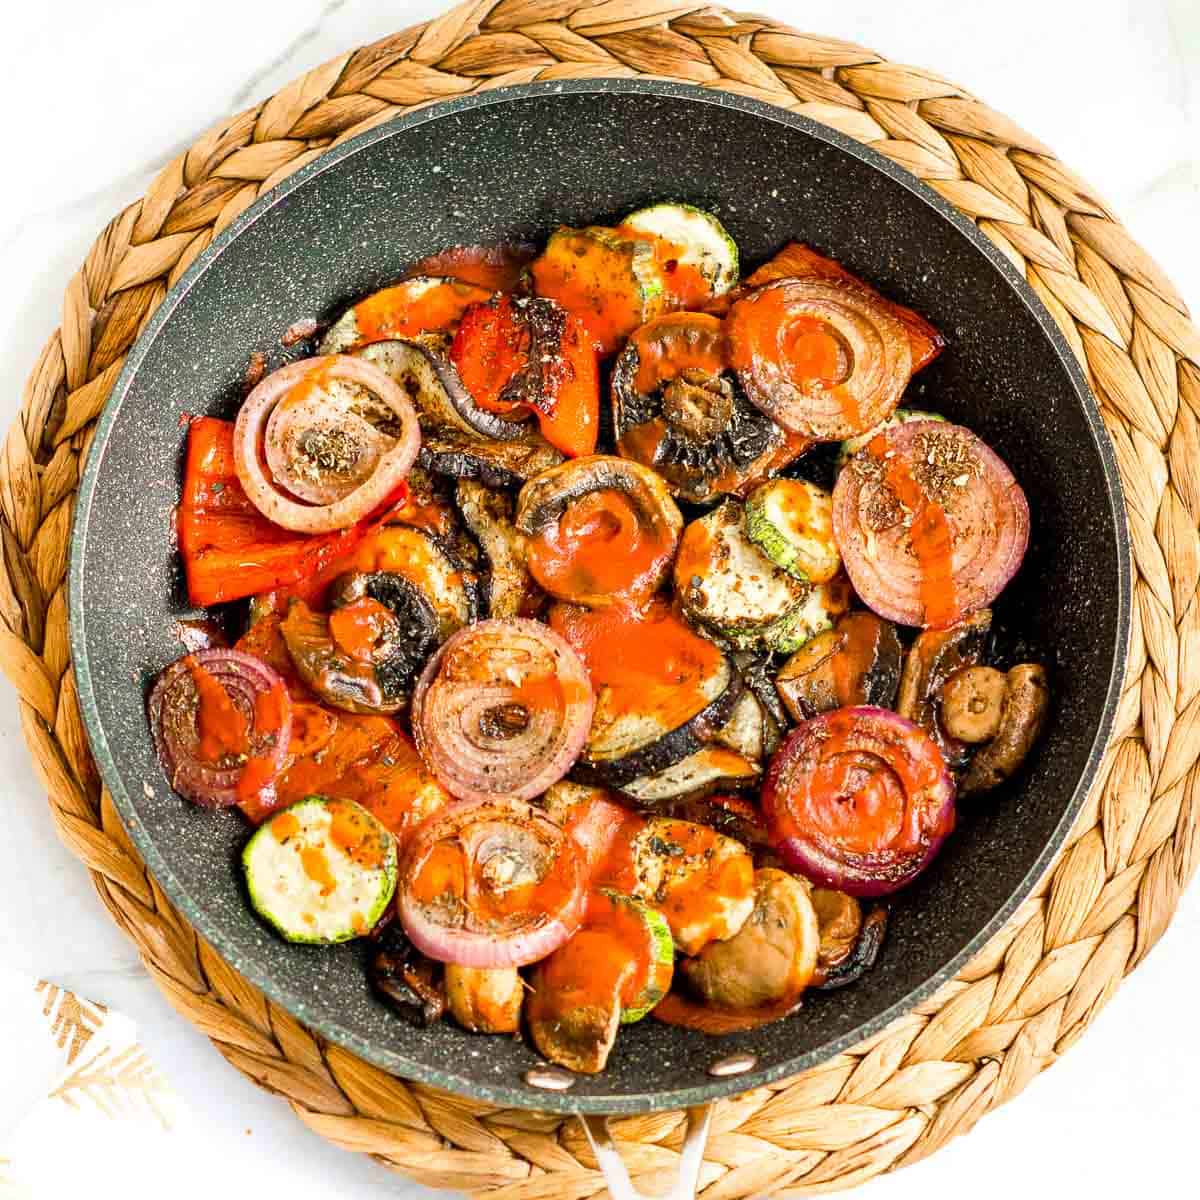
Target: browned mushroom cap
(569,1027)
(856,662)
(839,918)
(771,958)
(1022,718)
(485,999)
(934,656)
(861,957)
(972,700)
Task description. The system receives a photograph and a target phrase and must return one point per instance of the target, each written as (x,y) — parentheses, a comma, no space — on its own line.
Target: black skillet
(519,161)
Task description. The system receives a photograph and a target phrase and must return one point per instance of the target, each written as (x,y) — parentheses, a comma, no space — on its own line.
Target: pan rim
(291,999)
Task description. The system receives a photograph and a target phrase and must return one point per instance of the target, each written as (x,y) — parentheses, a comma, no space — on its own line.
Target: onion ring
(859,800)
(490,883)
(502,709)
(250,710)
(274,416)
(826,360)
(930,522)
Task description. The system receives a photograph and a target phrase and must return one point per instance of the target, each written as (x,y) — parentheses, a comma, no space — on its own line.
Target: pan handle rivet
(734,1064)
(549,1079)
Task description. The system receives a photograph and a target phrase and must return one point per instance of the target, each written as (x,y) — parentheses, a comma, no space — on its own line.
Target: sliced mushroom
(496,464)
(676,409)
(860,959)
(934,656)
(771,958)
(437,393)
(972,700)
(488,513)
(840,919)
(410,983)
(632,535)
(856,662)
(574,1011)
(1022,718)
(436,567)
(397,632)
(483,999)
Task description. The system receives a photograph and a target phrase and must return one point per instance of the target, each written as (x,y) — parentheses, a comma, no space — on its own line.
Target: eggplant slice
(488,513)
(710,769)
(624,746)
(699,432)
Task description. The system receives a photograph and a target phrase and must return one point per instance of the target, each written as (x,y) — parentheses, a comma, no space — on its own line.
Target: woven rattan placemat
(1036,988)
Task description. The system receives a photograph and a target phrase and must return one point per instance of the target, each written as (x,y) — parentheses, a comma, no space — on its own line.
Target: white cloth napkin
(82,1107)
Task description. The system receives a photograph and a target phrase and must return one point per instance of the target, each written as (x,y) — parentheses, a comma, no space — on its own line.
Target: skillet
(518,161)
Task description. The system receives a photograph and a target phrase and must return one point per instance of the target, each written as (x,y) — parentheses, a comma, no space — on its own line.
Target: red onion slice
(179,710)
(858,799)
(771,335)
(490,883)
(294,420)
(930,522)
(502,709)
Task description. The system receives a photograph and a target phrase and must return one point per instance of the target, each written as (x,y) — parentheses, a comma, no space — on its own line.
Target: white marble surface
(102,94)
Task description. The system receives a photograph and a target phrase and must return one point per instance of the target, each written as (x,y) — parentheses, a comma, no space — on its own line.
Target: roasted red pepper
(230,550)
(508,368)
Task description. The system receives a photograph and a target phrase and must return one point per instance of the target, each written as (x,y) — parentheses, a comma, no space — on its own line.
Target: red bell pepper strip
(229,549)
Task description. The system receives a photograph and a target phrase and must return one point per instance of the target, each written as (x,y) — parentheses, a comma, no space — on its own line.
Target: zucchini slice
(611,281)
(818,611)
(321,871)
(725,582)
(851,446)
(703,241)
(655,951)
(791,522)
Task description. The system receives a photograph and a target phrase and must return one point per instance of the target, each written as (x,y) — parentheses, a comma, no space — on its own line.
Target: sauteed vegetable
(564,676)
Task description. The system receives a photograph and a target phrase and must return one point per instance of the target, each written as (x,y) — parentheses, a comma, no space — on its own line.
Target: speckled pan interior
(520,161)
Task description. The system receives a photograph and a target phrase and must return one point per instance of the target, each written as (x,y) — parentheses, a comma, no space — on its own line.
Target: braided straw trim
(1034,990)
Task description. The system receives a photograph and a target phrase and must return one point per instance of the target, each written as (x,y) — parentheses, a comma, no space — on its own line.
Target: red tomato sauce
(929,536)
(648,660)
(600,546)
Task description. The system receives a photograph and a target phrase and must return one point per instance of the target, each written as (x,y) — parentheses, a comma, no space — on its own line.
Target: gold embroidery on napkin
(116,1084)
(73,1021)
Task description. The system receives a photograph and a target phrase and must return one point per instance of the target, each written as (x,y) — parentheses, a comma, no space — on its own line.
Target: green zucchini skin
(851,446)
(791,522)
(297,906)
(707,245)
(662,955)
(725,583)
(817,612)
(644,277)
